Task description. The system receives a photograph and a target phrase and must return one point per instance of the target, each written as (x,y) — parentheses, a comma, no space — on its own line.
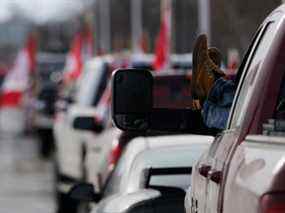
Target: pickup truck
(244,168)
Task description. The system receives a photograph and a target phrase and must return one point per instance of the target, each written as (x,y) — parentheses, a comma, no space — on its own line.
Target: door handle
(216,176)
(204,170)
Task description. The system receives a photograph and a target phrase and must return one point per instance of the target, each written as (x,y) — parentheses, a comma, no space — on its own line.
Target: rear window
(172,91)
(168,157)
(92,84)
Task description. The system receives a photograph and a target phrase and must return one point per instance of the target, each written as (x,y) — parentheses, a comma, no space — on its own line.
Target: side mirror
(132,99)
(132,106)
(84,192)
(87,123)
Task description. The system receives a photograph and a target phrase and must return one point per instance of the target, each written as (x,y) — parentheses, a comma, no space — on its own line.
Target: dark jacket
(216,108)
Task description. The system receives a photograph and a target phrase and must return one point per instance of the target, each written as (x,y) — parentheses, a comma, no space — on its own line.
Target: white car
(70,144)
(131,183)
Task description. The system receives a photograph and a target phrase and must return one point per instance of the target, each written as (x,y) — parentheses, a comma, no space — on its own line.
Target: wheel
(64,203)
(46,142)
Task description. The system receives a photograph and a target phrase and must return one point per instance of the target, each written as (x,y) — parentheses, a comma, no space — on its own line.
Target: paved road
(26,181)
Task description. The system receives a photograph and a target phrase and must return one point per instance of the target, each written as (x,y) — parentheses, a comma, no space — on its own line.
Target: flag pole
(105,25)
(136,19)
(204,18)
(166,14)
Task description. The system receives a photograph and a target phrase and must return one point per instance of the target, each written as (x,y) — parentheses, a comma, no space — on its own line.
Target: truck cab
(242,169)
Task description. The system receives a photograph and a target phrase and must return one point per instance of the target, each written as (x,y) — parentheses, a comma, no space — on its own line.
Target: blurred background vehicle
(49,68)
(70,144)
(142,154)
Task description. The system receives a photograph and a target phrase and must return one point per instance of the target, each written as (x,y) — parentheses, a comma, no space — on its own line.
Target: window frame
(243,72)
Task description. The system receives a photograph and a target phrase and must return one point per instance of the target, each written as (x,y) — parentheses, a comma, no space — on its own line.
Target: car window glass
(275,124)
(168,157)
(280,106)
(171,91)
(248,82)
(88,83)
(181,181)
(102,84)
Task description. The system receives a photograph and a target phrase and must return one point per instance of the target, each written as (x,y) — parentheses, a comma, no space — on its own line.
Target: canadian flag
(81,50)
(163,41)
(16,81)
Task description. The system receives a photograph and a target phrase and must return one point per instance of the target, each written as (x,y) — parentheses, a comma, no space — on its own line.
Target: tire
(83,208)
(64,204)
(46,142)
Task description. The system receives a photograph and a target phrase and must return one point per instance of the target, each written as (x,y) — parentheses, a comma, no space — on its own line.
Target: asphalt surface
(26,184)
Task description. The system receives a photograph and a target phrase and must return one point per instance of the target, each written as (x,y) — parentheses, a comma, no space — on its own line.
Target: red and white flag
(16,81)
(163,41)
(81,50)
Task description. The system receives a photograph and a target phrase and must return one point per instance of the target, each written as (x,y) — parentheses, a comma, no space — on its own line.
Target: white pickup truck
(244,169)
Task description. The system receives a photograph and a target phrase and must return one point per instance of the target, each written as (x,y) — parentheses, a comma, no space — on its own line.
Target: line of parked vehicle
(87,145)
(152,164)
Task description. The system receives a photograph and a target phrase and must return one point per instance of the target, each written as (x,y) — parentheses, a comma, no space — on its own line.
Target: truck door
(256,163)
(236,130)
(204,169)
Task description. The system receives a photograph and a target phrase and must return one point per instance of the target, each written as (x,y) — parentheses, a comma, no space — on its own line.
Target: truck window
(248,82)
(172,91)
(276,123)
(280,106)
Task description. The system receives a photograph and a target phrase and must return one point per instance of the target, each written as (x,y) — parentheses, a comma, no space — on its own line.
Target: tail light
(273,203)
(115,154)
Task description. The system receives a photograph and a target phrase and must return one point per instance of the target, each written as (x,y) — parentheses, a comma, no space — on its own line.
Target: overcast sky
(41,11)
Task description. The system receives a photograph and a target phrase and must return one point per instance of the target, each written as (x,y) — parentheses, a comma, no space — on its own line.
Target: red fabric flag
(74,61)
(81,50)
(162,46)
(16,81)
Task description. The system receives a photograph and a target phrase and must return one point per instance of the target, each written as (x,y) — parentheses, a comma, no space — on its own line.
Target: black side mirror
(132,99)
(84,192)
(87,123)
(132,106)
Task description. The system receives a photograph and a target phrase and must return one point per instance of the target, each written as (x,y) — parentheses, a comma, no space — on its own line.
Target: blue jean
(217,106)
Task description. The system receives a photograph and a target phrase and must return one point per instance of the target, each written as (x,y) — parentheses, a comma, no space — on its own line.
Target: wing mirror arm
(175,120)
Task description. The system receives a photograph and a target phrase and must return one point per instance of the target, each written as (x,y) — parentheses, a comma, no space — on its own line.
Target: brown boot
(206,63)
(200,43)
